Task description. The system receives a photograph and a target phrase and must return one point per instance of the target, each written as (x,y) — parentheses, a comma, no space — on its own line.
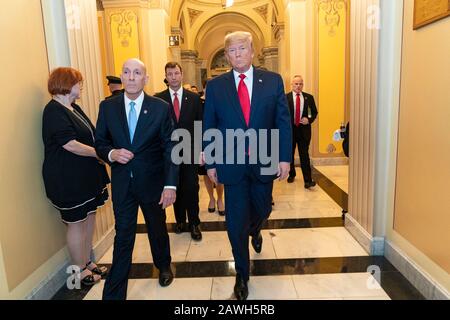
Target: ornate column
(188,62)
(363,102)
(270,58)
(278,32)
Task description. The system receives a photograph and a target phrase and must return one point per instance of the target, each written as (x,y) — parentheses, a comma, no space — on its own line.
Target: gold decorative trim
(193,15)
(124,28)
(331,9)
(262,11)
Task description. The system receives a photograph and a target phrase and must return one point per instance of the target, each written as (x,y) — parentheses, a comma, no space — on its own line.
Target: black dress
(75,185)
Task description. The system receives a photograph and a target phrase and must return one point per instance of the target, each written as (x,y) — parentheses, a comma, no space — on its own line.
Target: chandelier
(227,3)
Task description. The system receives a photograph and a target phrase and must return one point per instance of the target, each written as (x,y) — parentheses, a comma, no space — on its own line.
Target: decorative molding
(179,32)
(332,17)
(278,30)
(420,279)
(335,161)
(373,245)
(269,52)
(193,15)
(146,4)
(189,54)
(262,11)
(124,28)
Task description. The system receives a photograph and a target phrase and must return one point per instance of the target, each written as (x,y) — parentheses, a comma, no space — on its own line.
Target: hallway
(307,254)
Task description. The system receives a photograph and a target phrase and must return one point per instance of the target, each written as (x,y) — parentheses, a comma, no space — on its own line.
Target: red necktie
(297,110)
(176,106)
(244,98)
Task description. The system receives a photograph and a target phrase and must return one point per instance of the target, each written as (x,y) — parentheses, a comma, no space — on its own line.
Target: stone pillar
(188,62)
(270,58)
(283,62)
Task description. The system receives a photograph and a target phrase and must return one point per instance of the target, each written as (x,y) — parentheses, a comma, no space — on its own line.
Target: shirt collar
(179,91)
(139,100)
(248,73)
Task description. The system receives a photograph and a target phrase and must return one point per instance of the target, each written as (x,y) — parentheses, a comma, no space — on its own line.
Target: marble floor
(307,255)
(337,174)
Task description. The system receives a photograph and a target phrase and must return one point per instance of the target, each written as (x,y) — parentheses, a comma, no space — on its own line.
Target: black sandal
(89,280)
(101,271)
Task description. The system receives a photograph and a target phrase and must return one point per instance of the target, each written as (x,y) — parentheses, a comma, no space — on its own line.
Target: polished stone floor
(307,254)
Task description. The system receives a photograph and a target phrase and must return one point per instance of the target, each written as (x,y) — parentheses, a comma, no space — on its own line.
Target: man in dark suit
(303,112)
(185,108)
(115,86)
(246,99)
(134,136)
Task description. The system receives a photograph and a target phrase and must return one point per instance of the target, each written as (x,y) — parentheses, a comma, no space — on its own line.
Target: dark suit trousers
(301,139)
(187,195)
(126,220)
(248,204)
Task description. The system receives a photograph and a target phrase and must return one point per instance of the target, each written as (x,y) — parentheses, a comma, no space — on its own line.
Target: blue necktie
(132,120)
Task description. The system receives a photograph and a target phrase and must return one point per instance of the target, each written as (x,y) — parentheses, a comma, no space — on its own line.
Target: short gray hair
(238,36)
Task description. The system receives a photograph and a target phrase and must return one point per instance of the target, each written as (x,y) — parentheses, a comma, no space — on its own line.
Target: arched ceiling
(177,6)
(211,35)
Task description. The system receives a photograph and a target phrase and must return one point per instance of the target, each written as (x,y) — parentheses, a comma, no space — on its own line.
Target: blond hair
(238,36)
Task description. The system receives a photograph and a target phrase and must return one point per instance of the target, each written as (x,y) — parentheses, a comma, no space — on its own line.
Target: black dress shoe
(179,228)
(165,277)
(290,179)
(257,242)
(196,234)
(240,288)
(310,184)
(221,212)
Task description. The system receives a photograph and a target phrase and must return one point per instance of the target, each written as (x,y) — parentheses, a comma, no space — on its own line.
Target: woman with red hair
(75,180)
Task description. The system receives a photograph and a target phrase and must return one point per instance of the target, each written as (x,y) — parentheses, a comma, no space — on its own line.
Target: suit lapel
(168,98)
(143,120)
(305,105)
(230,88)
(257,90)
(184,105)
(123,119)
(291,104)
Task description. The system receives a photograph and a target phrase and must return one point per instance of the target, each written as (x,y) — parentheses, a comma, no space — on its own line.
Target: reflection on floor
(337,174)
(307,254)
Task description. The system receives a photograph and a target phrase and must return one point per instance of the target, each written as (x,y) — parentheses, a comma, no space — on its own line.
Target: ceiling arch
(210,38)
(177,6)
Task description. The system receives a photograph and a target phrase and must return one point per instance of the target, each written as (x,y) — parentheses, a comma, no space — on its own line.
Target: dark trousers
(187,195)
(301,139)
(248,204)
(126,220)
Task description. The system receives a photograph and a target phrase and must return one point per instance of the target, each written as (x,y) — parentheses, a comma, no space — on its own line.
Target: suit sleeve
(313,110)
(209,120)
(103,140)
(283,123)
(170,169)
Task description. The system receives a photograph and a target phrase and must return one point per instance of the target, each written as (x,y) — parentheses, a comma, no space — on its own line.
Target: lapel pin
(145,111)
(260,80)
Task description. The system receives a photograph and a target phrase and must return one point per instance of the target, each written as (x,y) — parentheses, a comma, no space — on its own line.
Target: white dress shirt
(248,80)
(179,95)
(138,106)
(302,104)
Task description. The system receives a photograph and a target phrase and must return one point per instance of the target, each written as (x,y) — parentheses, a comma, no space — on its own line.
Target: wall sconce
(174,41)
